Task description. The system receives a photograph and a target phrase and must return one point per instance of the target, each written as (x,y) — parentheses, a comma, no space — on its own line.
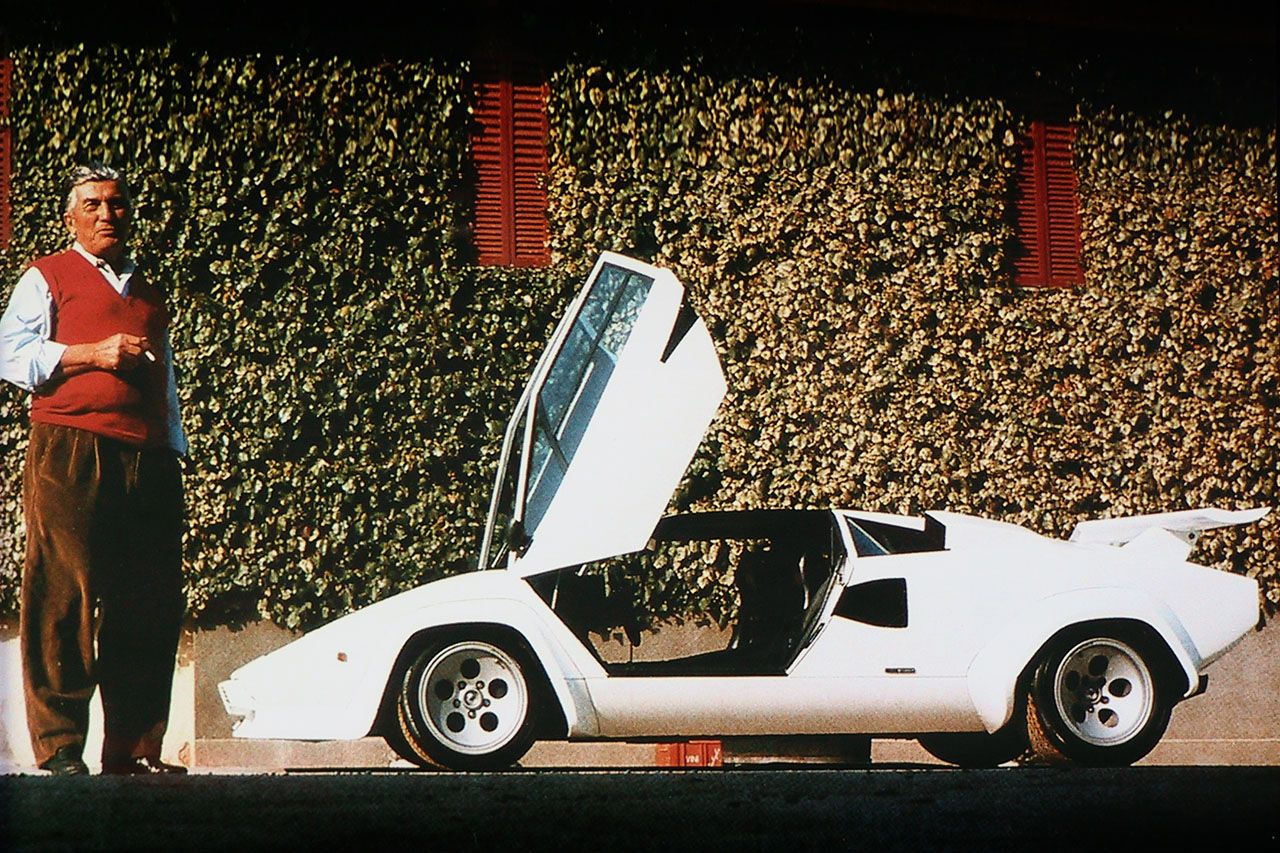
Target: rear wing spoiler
(1186,525)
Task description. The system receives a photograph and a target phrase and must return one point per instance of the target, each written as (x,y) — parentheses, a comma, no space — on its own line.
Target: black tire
(393,733)
(1099,698)
(979,749)
(392,720)
(467,704)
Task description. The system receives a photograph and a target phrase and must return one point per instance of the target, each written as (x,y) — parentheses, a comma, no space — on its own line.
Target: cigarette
(150,355)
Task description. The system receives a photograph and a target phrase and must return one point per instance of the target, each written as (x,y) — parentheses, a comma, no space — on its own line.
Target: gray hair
(90,173)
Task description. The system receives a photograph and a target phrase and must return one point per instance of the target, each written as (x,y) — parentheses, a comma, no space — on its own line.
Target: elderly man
(102,599)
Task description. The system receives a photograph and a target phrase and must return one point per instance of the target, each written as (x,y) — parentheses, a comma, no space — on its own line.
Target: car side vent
(882,603)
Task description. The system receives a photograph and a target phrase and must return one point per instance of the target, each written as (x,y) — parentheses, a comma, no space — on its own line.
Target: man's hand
(117,353)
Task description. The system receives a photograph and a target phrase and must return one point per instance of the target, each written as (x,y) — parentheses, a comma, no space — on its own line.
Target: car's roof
(743,524)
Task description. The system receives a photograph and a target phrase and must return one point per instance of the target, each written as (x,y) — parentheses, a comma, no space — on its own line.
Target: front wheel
(1096,699)
(467,705)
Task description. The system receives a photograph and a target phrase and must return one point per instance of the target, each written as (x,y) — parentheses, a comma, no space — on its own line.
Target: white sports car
(978,637)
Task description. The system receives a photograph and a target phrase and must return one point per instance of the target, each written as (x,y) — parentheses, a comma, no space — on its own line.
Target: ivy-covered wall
(346,372)
(343,374)
(851,253)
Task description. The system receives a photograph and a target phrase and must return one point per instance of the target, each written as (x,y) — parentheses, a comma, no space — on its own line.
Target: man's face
(99,219)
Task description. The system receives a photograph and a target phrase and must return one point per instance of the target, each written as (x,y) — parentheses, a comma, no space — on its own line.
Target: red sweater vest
(129,405)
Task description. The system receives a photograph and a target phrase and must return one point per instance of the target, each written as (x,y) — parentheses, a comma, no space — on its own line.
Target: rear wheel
(1096,699)
(467,705)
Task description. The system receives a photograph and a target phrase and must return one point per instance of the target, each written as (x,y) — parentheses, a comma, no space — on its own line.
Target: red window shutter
(6,146)
(509,155)
(1048,215)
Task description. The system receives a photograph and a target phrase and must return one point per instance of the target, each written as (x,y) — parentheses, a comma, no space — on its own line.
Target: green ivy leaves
(339,376)
(851,251)
(346,375)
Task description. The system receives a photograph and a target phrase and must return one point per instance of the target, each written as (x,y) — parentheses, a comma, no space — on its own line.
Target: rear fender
(995,673)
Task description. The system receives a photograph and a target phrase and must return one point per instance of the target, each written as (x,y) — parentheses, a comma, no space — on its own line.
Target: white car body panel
(695,706)
(952,669)
(328,684)
(981,600)
(624,468)
(995,670)
(623,448)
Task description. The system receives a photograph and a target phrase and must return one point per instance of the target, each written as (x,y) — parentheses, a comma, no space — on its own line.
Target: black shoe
(66,762)
(139,767)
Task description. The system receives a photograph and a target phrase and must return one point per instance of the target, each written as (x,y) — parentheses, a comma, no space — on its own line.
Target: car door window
(575,380)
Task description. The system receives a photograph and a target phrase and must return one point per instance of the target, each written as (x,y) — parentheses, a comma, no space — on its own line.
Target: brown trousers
(102,600)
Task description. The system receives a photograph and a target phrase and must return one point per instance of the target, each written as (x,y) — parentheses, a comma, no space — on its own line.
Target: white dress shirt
(28,358)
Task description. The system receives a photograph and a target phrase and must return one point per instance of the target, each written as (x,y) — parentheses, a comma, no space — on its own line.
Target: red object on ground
(694,753)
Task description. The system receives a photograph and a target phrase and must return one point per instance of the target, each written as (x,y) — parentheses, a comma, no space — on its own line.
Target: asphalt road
(757,809)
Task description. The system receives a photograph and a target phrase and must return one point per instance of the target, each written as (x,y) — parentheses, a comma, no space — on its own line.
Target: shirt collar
(127,266)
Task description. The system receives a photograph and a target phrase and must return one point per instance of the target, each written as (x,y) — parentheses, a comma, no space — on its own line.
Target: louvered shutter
(1048,216)
(6,145)
(509,155)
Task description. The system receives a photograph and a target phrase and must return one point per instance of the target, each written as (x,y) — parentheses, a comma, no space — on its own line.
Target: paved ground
(759,809)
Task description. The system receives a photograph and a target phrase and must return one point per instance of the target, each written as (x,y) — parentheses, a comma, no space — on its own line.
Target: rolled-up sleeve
(27,356)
